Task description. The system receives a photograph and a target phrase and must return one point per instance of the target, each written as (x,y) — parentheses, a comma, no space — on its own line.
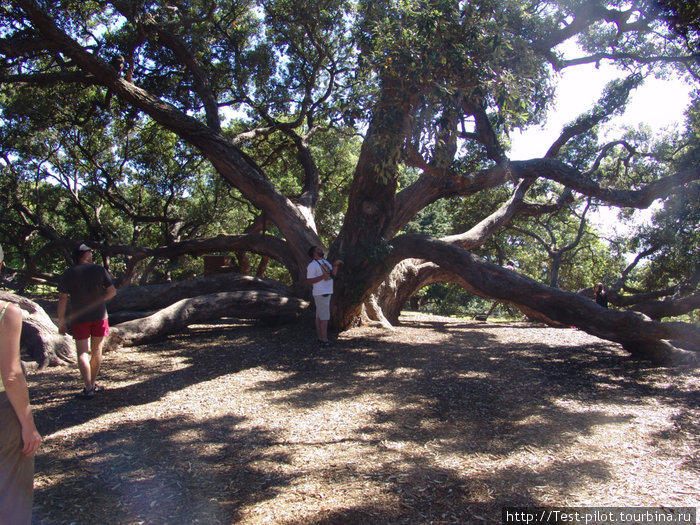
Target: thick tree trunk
(248,304)
(669,307)
(404,281)
(141,301)
(41,343)
(636,332)
(371,204)
(372,313)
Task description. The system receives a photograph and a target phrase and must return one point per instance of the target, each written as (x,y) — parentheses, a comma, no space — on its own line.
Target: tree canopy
(162,130)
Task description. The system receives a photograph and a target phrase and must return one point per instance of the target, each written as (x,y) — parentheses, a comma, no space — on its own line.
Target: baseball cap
(80,250)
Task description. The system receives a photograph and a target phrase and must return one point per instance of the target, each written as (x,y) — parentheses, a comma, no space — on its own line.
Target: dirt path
(441,421)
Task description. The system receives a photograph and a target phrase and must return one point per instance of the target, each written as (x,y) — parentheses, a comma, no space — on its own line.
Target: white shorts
(323,306)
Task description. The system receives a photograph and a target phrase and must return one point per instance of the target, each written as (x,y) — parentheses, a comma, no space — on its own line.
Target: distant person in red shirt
(88,286)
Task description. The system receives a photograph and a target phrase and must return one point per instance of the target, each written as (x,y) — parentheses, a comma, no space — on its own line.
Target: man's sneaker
(86,394)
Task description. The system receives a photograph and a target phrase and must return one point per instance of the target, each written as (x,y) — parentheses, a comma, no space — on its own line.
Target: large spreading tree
(276,98)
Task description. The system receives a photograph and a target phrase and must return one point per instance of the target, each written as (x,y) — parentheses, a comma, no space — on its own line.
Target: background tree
(669,272)
(260,90)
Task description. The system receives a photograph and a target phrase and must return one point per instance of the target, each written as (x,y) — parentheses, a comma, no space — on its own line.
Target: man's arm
(110,292)
(62,303)
(323,277)
(315,274)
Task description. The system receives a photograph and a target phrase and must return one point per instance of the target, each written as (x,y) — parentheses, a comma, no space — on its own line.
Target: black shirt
(602,299)
(86,285)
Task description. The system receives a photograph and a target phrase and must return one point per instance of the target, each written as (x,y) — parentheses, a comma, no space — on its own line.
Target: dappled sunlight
(437,418)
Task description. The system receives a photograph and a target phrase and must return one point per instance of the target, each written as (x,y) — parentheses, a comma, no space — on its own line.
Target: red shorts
(82,331)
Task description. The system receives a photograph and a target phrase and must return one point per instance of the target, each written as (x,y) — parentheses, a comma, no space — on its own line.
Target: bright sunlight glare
(659,104)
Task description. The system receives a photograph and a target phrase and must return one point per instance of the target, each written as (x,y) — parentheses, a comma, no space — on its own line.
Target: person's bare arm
(110,292)
(62,304)
(325,275)
(13,378)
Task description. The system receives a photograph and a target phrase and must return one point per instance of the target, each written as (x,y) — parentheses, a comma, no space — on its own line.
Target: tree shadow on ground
(458,392)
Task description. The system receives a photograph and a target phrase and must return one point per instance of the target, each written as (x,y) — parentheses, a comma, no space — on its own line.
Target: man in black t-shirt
(88,286)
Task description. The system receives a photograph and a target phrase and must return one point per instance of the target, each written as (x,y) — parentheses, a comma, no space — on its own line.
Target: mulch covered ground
(440,421)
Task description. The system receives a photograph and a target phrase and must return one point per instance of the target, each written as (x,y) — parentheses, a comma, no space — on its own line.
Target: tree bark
(404,281)
(375,211)
(637,333)
(140,301)
(265,245)
(669,307)
(229,161)
(41,343)
(249,304)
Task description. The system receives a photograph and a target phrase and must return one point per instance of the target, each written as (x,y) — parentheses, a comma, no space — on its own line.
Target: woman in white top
(19,439)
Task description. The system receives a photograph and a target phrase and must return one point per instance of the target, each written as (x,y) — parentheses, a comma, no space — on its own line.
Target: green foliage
(674,230)
(435,219)
(676,236)
(337,158)
(466,212)
(121,181)
(303,90)
(453,300)
(441,47)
